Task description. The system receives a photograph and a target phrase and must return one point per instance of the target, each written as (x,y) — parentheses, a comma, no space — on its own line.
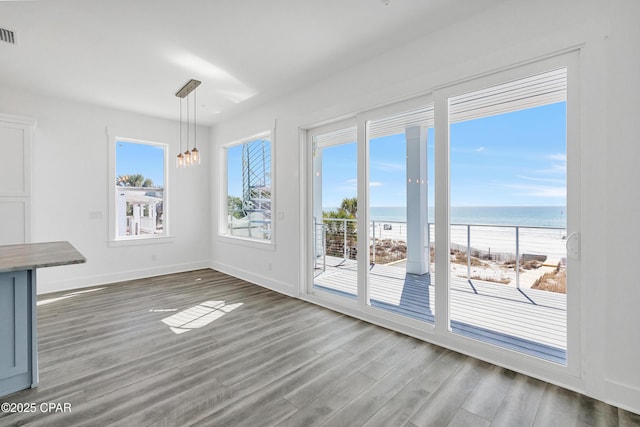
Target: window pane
(335,211)
(508,215)
(400,233)
(140,181)
(249,189)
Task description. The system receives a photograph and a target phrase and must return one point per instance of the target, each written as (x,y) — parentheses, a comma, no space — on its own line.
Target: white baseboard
(622,395)
(257,279)
(45,286)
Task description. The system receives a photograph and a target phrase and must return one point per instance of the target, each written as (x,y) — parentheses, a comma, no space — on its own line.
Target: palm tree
(134,180)
(234,206)
(350,205)
(339,225)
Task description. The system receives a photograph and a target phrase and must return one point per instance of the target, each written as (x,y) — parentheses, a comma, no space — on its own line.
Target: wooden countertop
(37,255)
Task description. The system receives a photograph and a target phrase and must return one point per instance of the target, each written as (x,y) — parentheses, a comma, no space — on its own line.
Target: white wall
(70,192)
(509,34)
(620,288)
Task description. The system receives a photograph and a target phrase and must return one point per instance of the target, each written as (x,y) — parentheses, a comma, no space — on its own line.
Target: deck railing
(255,223)
(498,253)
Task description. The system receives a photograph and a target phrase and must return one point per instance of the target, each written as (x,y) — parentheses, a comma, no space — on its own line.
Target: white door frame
(27,125)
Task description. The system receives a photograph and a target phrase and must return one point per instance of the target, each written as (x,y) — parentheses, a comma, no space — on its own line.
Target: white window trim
(222,233)
(113,239)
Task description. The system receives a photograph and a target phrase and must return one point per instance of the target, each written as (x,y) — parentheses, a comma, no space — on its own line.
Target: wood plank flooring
(241,355)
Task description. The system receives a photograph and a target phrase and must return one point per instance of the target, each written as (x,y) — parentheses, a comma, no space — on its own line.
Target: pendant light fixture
(189,157)
(195,154)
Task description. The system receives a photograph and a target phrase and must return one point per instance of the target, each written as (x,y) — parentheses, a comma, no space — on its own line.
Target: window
(249,188)
(140,193)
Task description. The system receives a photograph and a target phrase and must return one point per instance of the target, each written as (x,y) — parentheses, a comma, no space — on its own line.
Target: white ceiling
(135,54)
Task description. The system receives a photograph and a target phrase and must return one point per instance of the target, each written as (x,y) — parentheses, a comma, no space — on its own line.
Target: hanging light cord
(187,125)
(180,126)
(195,140)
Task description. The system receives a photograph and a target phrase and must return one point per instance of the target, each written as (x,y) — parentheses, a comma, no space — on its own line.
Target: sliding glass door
(508,204)
(457,213)
(399,216)
(335,211)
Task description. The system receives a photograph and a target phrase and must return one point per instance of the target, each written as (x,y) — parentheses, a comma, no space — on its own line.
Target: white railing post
(429,247)
(344,239)
(373,242)
(469,251)
(324,247)
(517,257)
(315,243)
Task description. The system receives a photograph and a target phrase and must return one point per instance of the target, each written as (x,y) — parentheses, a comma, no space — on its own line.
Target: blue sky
(513,159)
(234,167)
(145,159)
(234,170)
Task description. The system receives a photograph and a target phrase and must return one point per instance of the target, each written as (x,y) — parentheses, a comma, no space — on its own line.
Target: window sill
(245,241)
(139,241)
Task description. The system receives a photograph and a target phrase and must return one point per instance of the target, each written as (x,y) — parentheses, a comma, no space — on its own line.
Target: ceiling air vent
(7,36)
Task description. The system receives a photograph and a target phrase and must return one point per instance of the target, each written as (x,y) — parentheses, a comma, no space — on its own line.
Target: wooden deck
(526,320)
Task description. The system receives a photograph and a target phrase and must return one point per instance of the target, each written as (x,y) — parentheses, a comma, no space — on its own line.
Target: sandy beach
(494,245)
(490,239)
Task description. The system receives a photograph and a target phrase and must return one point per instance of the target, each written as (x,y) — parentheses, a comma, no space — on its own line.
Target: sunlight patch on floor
(198,316)
(69,295)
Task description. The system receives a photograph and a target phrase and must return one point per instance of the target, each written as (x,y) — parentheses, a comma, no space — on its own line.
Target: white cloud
(479,149)
(559,157)
(554,169)
(549,180)
(548,191)
(350,185)
(387,166)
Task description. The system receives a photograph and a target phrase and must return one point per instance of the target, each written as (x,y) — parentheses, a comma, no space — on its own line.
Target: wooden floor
(526,320)
(204,348)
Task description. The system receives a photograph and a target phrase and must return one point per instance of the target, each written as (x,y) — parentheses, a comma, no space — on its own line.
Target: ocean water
(530,216)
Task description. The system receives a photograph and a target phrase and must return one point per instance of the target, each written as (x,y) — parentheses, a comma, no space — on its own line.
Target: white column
(135,224)
(417,244)
(121,204)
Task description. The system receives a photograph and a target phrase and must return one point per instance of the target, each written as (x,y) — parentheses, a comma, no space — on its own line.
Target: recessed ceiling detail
(7,36)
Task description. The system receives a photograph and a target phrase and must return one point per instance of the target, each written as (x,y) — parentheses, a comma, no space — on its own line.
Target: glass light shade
(187,158)
(195,156)
(180,161)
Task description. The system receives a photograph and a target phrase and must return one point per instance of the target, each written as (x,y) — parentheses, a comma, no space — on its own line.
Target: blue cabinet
(18,315)
(16,331)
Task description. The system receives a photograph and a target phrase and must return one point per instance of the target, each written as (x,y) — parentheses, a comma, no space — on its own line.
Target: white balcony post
(324,247)
(417,209)
(517,257)
(373,242)
(469,252)
(344,239)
